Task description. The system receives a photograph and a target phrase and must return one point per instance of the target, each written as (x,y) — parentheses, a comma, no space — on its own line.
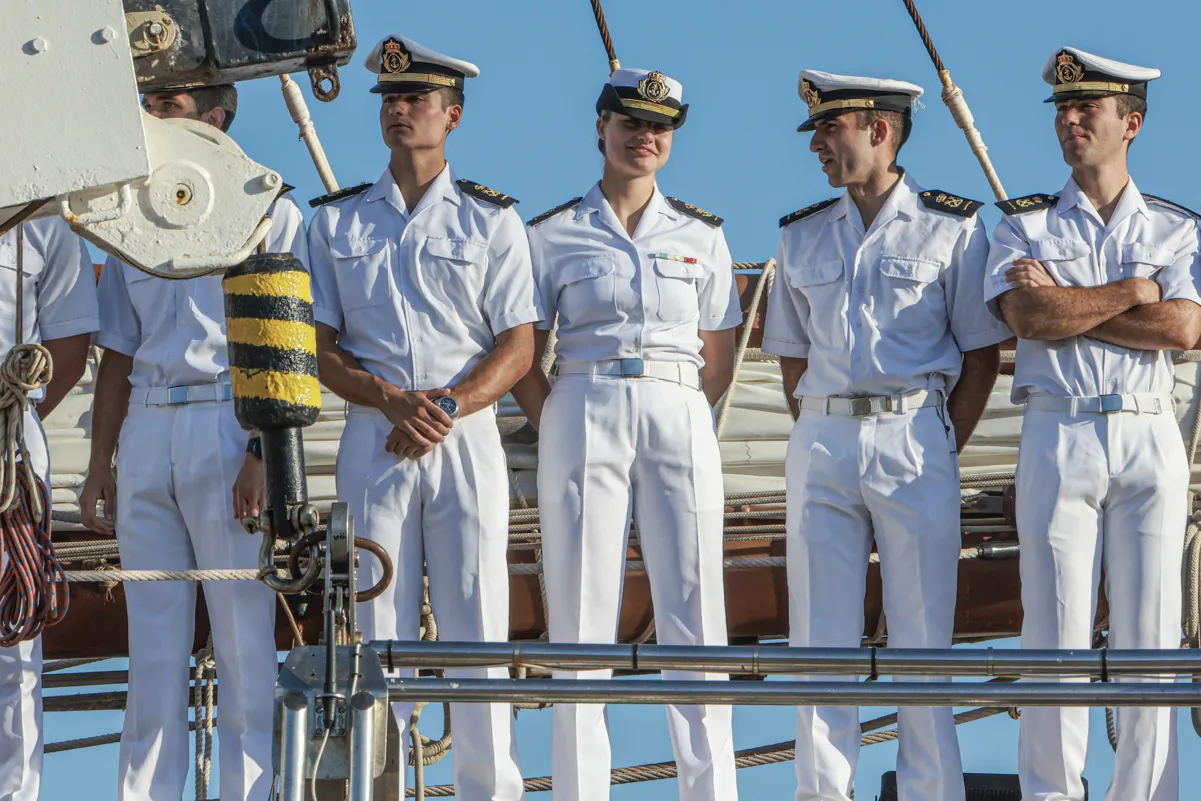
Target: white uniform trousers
(1100,493)
(610,448)
(21,679)
(176,467)
(448,510)
(895,476)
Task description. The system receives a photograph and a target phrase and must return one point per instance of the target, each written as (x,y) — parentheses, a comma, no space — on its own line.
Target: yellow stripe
(658,108)
(294,388)
(836,105)
(1092,86)
(284,334)
(416,77)
(292,284)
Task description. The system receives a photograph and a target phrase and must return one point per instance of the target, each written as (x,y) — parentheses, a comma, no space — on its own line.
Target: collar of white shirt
(902,201)
(443,188)
(595,203)
(1130,203)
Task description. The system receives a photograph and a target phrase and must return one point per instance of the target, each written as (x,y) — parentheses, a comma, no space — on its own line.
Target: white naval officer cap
(645,95)
(828,95)
(1075,75)
(403,65)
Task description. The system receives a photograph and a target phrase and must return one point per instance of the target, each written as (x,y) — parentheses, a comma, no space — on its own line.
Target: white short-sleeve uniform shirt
(886,310)
(1145,237)
(633,297)
(420,297)
(175,330)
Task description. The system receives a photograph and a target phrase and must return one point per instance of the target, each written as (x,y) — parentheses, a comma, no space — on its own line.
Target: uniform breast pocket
(1067,260)
(587,290)
(362,270)
(153,299)
(32,267)
(677,283)
(1145,261)
(819,281)
(912,295)
(452,272)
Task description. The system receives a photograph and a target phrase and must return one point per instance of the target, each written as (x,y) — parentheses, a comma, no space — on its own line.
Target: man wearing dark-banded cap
(1098,281)
(424,300)
(888,363)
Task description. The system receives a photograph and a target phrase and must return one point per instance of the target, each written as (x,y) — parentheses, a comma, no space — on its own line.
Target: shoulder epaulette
(938,200)
(693,211)
(481,192)
(341,193)
(546,215)
(1021,205)
(285,188)
(1170,204)
(808,211)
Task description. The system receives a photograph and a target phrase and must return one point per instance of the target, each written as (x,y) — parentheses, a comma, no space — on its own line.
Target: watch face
(448,405)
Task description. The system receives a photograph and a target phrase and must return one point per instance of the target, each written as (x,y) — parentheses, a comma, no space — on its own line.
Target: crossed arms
(1129,313)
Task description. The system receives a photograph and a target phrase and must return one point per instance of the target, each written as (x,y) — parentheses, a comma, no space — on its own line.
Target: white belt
(684,373)
(1147,403)
(862,407)
(176,396)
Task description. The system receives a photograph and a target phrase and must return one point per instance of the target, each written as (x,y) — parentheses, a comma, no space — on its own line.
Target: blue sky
(528,132)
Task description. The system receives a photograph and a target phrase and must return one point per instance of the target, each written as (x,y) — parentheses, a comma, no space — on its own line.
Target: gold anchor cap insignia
(810,94)
(1068,71)
(396,58)
(654,87)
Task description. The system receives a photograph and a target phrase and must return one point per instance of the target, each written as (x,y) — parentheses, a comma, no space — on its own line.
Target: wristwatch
(449,405)
(254,446)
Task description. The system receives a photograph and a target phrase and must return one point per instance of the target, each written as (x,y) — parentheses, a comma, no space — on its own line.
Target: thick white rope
(299,110)
(952,95)
(762,289)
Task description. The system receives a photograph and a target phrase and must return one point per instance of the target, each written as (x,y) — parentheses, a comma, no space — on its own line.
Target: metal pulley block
(200,210)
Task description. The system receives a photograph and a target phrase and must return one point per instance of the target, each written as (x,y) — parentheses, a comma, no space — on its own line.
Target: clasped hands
(418,423)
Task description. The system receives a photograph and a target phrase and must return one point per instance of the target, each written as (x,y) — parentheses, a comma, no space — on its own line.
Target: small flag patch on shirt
(669,257)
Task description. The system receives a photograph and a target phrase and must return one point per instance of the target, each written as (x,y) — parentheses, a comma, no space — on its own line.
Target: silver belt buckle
(1111,404)
(177,395)
(860,407)
(632,368)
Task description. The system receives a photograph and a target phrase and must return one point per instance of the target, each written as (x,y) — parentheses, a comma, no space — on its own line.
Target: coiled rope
(29,570)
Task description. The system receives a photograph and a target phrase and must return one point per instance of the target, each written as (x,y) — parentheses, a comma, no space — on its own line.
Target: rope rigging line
(952,96)
(606,39)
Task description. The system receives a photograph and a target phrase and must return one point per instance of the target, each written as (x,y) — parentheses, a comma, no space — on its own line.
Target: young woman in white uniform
(646,306)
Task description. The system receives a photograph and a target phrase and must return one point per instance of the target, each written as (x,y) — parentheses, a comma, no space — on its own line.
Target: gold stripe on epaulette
(293,284)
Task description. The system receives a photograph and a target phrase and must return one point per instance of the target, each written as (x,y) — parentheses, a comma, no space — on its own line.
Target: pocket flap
(1142,253)
(814,273)
(346,247)
(1058,249)
(586,268)
(8,257)
(922,271)
(456,249)
(669,268)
